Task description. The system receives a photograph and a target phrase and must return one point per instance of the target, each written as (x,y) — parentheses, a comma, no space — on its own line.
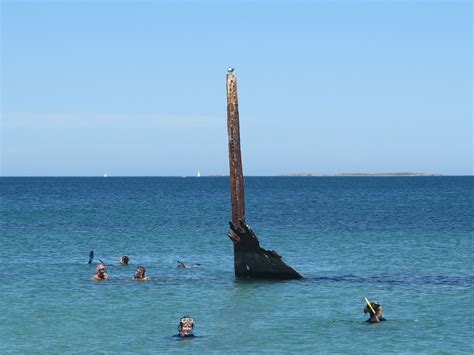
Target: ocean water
(406,242)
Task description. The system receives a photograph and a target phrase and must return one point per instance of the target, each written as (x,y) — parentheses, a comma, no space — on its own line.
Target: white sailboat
(199,174)
(105,175)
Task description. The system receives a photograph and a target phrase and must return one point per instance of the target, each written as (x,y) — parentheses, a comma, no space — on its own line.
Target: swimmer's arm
(377,318)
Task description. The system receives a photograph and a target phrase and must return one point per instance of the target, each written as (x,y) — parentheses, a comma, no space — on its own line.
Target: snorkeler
(182,265)
(101,273)
(375,311)
(124,260)
(185,328)
(140,274)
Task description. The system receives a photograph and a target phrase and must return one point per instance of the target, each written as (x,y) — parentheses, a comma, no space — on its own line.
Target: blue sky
(138,87)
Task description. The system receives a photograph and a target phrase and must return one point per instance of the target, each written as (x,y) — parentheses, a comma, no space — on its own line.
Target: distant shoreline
(367,174)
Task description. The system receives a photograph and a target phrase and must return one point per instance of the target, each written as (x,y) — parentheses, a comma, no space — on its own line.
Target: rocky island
(366,174)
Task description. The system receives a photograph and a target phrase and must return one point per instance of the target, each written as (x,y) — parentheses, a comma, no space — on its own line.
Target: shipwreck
(250,260)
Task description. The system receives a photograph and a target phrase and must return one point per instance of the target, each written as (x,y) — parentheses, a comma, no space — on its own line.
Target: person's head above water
(375,311)
(374,306)
(186,326)
(140,273)
(101,272)
(124,260)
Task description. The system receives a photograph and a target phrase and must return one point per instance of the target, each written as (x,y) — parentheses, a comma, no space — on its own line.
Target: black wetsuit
(183,337)
(372,322)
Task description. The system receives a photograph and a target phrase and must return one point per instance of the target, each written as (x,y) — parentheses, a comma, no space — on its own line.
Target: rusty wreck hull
(261,265)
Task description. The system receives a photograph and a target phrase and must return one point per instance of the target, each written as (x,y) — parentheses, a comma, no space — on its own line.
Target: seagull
(230,70)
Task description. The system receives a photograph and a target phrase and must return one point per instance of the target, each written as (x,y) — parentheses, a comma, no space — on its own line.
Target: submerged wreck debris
(250,260)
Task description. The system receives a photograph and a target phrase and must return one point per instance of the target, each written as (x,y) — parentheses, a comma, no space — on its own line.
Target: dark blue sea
(406,242)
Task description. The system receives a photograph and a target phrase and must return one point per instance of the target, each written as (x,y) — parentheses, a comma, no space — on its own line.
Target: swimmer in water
(182,265)
(185,328)
(101,273)
(140,274)
(124,260)
(374,317)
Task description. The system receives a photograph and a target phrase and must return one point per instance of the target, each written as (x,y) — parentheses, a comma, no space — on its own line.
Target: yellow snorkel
(370,305)
(372,309)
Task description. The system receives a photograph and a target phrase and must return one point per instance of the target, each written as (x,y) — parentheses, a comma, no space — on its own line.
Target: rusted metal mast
(250,260)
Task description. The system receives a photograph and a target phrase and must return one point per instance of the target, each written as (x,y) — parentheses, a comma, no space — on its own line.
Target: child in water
(185,328)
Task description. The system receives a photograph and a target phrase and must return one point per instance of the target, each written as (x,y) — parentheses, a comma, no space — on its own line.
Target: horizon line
(218,176)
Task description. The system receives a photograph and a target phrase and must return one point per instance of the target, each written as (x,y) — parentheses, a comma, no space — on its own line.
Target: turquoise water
(403,241)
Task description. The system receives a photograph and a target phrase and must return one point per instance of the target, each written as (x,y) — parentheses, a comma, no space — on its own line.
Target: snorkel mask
(185,320)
